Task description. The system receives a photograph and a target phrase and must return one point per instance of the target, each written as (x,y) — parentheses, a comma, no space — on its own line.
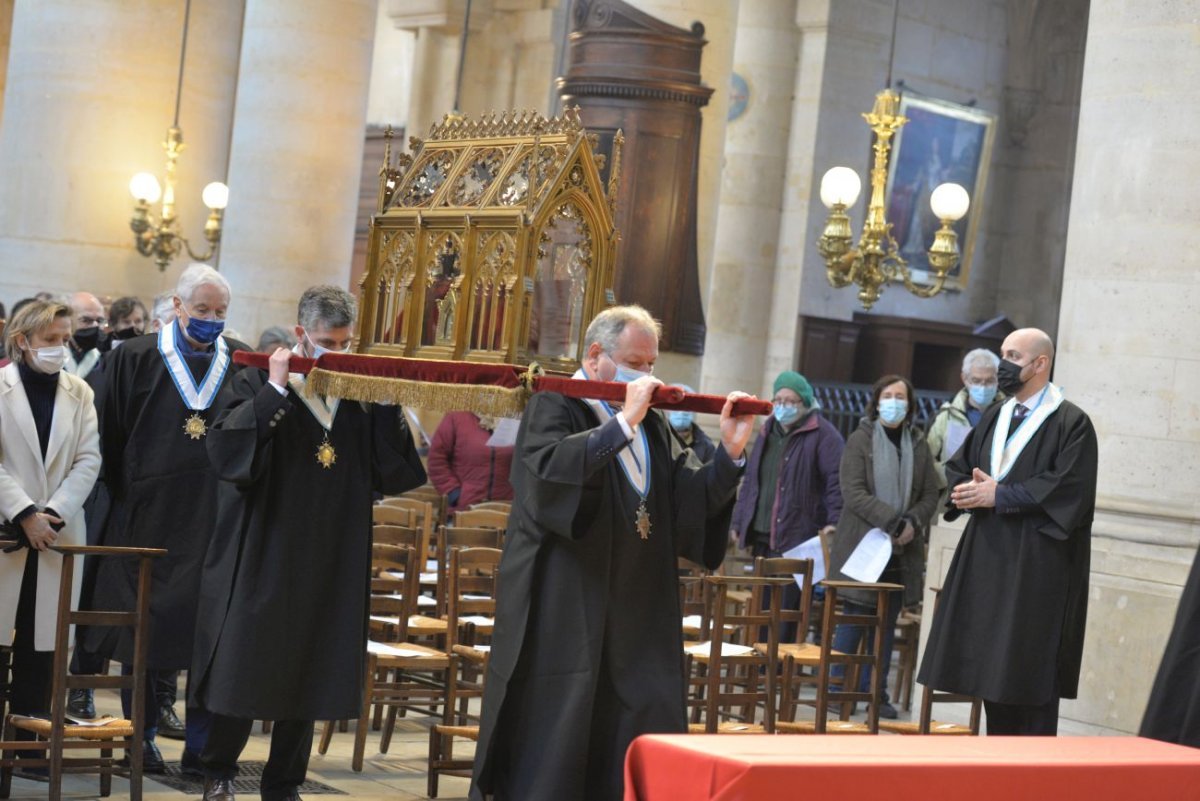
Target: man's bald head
(86,311)
(1032,350)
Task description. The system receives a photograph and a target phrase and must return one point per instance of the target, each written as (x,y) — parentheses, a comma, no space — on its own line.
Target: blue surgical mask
(786,415)
(626,375)
(892,410)
(318,351)
(204,331)
(680,421)
(981,396)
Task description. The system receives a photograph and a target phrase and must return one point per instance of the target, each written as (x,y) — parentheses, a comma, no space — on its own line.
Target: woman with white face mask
(49,460)
(888,482)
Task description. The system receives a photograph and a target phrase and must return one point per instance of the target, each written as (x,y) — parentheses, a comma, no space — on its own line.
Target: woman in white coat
(49,460)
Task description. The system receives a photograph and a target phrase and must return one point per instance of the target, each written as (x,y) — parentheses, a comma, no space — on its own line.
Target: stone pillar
(296,154)
(1128,326)
(79,121)
(743,290)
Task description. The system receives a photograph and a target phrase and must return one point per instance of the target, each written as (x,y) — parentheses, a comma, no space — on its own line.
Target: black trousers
(29,692)
(291,745)
(1021,719)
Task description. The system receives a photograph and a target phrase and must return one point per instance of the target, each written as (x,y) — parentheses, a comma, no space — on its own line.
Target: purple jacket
(808,496)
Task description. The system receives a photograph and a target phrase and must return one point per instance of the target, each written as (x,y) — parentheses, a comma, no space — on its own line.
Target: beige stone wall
(80,121)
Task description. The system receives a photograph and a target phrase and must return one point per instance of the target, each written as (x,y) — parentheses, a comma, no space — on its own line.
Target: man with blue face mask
(791,491)
(690,434)
(159,400)
(958,416)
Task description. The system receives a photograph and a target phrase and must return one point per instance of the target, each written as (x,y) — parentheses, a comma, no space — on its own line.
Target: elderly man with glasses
(959,415)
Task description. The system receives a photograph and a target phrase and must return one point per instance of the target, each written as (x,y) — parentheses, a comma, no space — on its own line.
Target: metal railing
(844,404)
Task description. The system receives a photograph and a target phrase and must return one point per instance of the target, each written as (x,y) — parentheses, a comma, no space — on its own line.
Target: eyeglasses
(86,322)
(787,404)
(974,382)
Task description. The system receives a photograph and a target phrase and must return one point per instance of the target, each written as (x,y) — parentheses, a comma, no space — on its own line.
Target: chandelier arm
(196,257)
(146,242)
(927,291)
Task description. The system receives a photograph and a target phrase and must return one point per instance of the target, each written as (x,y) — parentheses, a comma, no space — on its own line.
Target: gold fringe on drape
(479,398)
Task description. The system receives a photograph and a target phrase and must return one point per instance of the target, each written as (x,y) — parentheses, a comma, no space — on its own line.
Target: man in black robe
(587,646)
(281,633)
(159,398)
(1010,621)
(1173,713)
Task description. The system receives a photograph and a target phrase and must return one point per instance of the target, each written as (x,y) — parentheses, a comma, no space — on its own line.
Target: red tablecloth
(895,768)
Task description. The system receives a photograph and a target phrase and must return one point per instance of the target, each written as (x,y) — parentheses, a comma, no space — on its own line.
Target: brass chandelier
(160,238)
(877,259)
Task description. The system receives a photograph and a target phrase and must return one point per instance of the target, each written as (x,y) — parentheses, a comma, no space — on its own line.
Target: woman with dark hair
(888,482)
(127,318)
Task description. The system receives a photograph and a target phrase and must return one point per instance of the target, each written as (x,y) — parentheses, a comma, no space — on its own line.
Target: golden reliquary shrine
(494,242)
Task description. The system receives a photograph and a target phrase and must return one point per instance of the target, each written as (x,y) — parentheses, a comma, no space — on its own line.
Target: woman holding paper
(889,491)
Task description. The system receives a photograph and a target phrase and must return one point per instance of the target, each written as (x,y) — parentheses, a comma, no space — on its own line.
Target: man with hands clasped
(1010,622)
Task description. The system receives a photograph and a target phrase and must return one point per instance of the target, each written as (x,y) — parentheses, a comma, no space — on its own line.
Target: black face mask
(122,334)
(87,338)
(1008,377)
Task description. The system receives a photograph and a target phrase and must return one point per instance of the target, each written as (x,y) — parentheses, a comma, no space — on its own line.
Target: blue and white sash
(195,397)
(635,466)
(323,409)
(1005,450)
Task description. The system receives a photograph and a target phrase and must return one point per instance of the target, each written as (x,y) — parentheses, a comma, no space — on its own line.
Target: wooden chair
(422,515)
(925,724)
(394,667)
(55,736)
(450,537)
(471,593)
(908,632)
(388,515)
(437,500)
(481,518)
(728,670)
(847,693)
(492,506)
(691,597)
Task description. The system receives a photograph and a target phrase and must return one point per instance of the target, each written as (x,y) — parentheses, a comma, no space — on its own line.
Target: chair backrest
(472,584)
(386,514)
(875,622)
(393,608)
(931,696)
(481,518)
(494,506)
(451,537)
(722,627)
(429,493)
(782,567)
(422,517)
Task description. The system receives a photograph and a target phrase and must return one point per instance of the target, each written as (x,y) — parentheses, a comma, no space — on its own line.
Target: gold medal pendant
(195,427)
(643,520)
(326,455)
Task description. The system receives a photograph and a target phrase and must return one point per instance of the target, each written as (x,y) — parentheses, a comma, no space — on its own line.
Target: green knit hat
(796,383)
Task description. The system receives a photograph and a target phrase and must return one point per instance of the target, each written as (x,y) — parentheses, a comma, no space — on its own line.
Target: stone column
(743,289)
(79,121)
(296,154)
(1128,327)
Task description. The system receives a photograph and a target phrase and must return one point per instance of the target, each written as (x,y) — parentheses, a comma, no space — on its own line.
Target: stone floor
(398,775)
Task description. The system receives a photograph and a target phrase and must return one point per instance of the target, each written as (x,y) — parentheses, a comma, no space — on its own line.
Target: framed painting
(941,142)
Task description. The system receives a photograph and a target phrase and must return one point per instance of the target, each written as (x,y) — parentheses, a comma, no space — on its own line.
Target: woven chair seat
(467,732)
(810,727)
(935,727)
(421,625)
(730,727)
(110,731)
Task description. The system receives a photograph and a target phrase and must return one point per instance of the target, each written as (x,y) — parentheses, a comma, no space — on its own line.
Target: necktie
(1019,412)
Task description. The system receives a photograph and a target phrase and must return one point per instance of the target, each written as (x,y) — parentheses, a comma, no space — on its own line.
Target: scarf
(893,471)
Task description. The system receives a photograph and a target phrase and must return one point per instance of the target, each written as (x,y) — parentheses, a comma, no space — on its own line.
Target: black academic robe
(1010,620)
(1173,713)
(163,496)
(281,630)
(586,650)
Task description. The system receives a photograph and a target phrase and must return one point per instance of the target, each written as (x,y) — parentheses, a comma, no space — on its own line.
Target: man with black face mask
(1009,624)
(85,347)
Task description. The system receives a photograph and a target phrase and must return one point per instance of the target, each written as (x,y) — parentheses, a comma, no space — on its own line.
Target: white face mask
(318,351)
(48,360)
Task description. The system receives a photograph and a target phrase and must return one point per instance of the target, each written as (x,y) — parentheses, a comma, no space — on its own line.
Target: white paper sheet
(956,434)
(870,557)
(380,649)
(504,435)
(809,549)
(478,620)
(727,649)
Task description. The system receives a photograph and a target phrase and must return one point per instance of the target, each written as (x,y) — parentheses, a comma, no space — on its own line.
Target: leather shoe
(169,724)
(190,764)
(888,711)
(152,758)
(81,704)
(218,790)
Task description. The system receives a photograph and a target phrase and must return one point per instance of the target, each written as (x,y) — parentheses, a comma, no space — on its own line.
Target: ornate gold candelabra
(161,238)
(877,259)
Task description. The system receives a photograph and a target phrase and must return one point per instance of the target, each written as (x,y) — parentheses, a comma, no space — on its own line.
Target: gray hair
(605,329)
(164,308)
(197,275)
(273,337)
(980,357)
(331,305)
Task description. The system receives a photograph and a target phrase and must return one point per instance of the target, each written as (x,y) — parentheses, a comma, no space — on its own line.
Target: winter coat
(460,459)
(807,495)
